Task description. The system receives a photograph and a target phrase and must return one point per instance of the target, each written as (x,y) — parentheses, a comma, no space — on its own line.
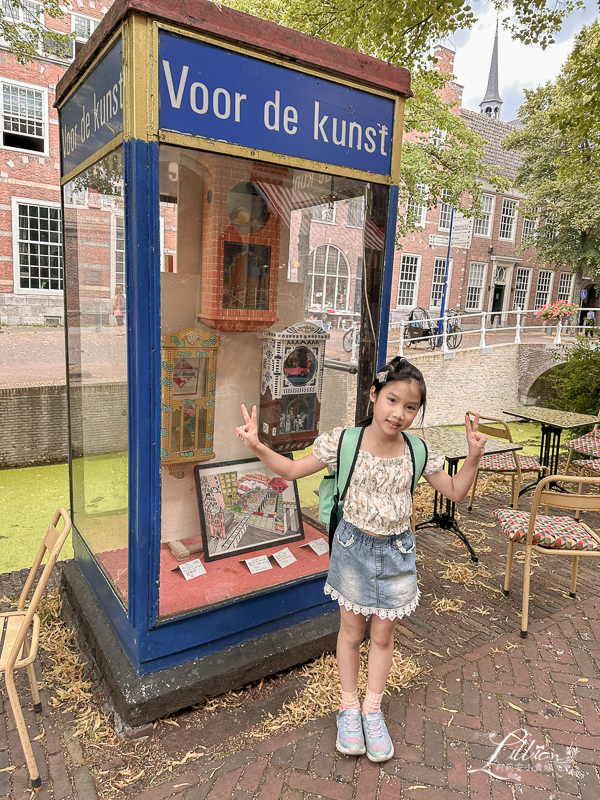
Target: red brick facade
(30,179)
(494,274)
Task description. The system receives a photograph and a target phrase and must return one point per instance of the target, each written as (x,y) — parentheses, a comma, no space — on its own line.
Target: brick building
(495,273)
(31,247)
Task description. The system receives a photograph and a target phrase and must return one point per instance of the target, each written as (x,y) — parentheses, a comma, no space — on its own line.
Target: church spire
(491,103)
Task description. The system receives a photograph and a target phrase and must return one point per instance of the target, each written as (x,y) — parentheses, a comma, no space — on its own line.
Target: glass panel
(97,358)
(249,250)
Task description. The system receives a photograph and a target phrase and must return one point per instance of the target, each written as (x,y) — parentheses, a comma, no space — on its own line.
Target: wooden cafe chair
(20,633)
(587,445)
(551,535)
(510,463)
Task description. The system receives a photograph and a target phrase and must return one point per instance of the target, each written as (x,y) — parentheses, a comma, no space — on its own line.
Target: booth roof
(234,26)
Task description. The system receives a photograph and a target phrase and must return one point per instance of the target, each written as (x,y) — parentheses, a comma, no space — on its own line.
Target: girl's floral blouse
(378,498)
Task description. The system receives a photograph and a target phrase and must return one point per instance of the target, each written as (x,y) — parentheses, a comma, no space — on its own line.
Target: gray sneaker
(377,738)
(350,737)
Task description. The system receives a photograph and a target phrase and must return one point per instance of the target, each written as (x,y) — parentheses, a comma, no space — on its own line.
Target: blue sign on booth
(219,94)
(93,116)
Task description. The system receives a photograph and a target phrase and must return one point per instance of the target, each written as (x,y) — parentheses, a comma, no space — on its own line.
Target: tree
(22,29)
(451,167)
(401,32)
(577,381)
(560,169)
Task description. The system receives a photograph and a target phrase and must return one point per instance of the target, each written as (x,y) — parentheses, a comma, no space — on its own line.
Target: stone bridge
(499,377)
(484,380)
(470,379)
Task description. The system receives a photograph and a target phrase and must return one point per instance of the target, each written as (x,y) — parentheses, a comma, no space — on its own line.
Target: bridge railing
(487,325)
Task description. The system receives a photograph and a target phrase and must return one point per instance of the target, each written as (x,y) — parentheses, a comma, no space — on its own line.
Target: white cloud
(519,66)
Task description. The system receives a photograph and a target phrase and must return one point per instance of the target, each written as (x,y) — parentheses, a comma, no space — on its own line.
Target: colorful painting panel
(245,507)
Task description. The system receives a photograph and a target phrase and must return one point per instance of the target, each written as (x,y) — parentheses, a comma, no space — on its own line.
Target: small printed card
(258,564)
(320,546)
(284,557)
(192,569)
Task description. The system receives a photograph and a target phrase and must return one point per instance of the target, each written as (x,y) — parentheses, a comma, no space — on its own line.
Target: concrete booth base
(137,700)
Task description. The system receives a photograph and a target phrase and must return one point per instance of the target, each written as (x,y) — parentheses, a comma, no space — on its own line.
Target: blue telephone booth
(228,186)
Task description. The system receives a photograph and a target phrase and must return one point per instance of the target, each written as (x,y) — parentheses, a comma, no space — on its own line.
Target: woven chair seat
(588,463)
(563,533)
(589,444)
(504,462)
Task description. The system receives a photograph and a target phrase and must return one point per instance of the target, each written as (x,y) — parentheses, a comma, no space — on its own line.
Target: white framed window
(416,205)
(565,286)
(508,219)
(530,225)
(37,246)
(120,282)
(483,224)
(437,284)
(324,213)
(329,278)
(445,212)
(475,285)
(29,14)
(355,213)
(521,294)
(408,280)
(438,137)
(550,228)
(542,291)
(74,197)
(24,117)
(82,27)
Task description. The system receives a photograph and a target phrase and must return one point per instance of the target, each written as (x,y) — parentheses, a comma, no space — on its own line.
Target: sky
(520,67)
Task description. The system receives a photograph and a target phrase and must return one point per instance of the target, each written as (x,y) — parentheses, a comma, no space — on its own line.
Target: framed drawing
(244,507)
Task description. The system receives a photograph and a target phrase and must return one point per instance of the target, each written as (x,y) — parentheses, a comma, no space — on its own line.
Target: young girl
(372,569)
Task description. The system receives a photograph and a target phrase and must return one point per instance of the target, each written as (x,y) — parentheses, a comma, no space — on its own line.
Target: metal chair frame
(498,428)
(555,498)
(20,632)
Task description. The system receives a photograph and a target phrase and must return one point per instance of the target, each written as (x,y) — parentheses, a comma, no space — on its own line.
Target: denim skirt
(373,574)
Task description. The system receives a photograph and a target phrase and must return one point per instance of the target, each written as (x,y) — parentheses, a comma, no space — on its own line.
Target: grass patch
(529,434)
(30,496)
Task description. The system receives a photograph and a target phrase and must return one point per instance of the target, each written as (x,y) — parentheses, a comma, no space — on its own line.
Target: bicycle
(453,330)
(351,336)
(420,328)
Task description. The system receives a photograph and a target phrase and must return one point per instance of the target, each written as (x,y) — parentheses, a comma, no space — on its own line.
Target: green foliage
(560,169)
(402,32)
(577,381)
(450,166)
(25,34)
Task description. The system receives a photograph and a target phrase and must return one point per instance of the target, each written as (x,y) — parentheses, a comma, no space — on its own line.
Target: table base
(444,516)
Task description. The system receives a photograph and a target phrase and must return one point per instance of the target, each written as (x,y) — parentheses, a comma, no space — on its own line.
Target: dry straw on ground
(320,693)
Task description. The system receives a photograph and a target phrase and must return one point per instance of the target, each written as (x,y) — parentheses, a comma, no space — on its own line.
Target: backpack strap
(347,453)
(418,454)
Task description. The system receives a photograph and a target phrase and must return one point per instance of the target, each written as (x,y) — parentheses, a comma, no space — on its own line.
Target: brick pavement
(484,683)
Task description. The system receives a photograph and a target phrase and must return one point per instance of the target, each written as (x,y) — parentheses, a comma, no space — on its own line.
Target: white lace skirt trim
(367,611)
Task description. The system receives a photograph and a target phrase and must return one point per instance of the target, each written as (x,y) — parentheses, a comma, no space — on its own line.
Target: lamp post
(445,287)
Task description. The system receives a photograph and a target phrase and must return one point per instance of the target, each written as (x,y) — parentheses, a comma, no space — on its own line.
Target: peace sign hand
(475,440)
(248,433)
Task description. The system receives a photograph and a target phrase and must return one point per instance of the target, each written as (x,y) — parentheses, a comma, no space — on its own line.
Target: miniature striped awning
(283,200)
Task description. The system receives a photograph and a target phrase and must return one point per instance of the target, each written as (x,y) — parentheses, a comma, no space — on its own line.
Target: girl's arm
(282,466)
(456,487)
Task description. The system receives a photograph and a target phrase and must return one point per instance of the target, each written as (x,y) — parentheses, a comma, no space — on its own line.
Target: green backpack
(331,500)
